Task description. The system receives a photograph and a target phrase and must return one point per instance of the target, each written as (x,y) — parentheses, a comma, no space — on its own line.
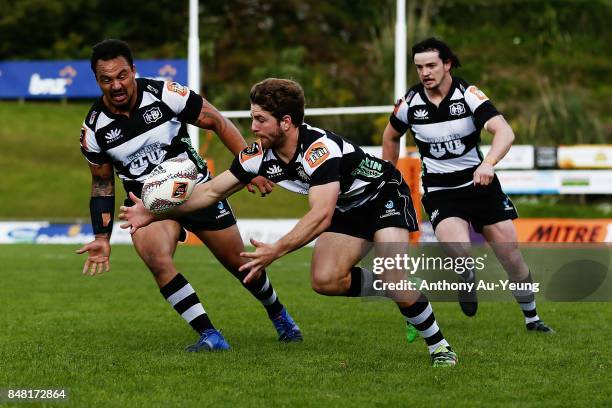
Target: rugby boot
(211,340)
(286,328)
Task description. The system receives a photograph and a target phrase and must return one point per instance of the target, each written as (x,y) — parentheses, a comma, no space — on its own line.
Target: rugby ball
(170,184)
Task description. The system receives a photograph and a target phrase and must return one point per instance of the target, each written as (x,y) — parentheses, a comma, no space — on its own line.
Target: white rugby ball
(170,184)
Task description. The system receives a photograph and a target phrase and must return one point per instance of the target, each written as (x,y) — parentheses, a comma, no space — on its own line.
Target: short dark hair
(280,97)
(109,49)
(433,44)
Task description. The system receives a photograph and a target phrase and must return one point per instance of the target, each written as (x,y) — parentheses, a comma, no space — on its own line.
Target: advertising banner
(73,78)
(585,157)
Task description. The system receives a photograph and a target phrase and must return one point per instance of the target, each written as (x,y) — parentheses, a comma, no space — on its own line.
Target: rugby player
(445,114)
(354,198)
(137,124)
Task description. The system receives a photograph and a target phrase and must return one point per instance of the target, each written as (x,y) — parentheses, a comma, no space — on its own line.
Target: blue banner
(73,78)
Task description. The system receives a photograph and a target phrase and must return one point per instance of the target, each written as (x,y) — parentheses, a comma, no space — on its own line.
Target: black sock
(179,293)
(356,280)
(262,289)
(421,316)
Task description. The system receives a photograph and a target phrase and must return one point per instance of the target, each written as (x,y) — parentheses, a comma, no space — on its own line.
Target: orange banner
(564,230)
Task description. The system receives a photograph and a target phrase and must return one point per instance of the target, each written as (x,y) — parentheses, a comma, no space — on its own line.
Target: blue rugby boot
(286,328)
(211,340)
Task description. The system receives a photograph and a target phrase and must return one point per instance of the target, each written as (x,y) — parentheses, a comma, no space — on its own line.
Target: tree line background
(545,64)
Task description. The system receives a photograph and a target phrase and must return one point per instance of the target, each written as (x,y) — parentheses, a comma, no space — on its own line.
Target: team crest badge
(152,115)
(457,109)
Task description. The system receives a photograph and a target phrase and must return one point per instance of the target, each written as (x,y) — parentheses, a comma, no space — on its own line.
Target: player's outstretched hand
(98,255)
(263,256)
(136,216)
(264,185)
(483,176)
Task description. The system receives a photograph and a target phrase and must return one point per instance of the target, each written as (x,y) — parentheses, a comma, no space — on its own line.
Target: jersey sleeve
(246,165)
(399,117)
(90,148)
(322,162)
(480,105)
(185,103)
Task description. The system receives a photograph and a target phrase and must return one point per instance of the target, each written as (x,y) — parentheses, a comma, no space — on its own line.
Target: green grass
(113,341)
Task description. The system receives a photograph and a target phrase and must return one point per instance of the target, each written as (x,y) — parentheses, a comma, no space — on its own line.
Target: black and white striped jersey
(447,135)
(321,157)
(154,132)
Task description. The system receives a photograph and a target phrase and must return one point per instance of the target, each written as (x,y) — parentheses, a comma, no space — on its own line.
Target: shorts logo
(457,109)
(152,115)
(179,190)
(434,214)
(177,88)
(508,205)
(251,151)
(222,210)
(389,205)
(316,154)
(113,135)
(421,114)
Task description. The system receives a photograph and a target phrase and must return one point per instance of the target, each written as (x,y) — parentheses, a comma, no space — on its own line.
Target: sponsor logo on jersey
(150,154)
(275,170)
(421,114)
(457,108)
(82,139)
(152,89)
(302,174)
(397,105)
(177,88)
(113,135)
(152,115)
(478,93)
(220,206)
(316,154)
(92,117)
(368,168)
(251,151)
(179,190)
(389,205)
(455,147)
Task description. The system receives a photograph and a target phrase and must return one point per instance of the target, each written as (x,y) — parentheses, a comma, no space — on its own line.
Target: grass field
(113,341)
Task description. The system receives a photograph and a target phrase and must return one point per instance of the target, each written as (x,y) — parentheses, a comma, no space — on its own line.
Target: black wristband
(100,209)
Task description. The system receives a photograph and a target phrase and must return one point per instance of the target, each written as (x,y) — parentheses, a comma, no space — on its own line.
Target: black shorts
(478,205)
(214,218)
(391,208)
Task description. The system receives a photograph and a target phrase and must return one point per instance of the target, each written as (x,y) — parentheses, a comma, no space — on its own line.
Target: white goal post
(400,74)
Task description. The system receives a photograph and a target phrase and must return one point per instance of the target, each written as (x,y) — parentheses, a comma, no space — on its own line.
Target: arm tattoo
(211,119)
(102,181)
